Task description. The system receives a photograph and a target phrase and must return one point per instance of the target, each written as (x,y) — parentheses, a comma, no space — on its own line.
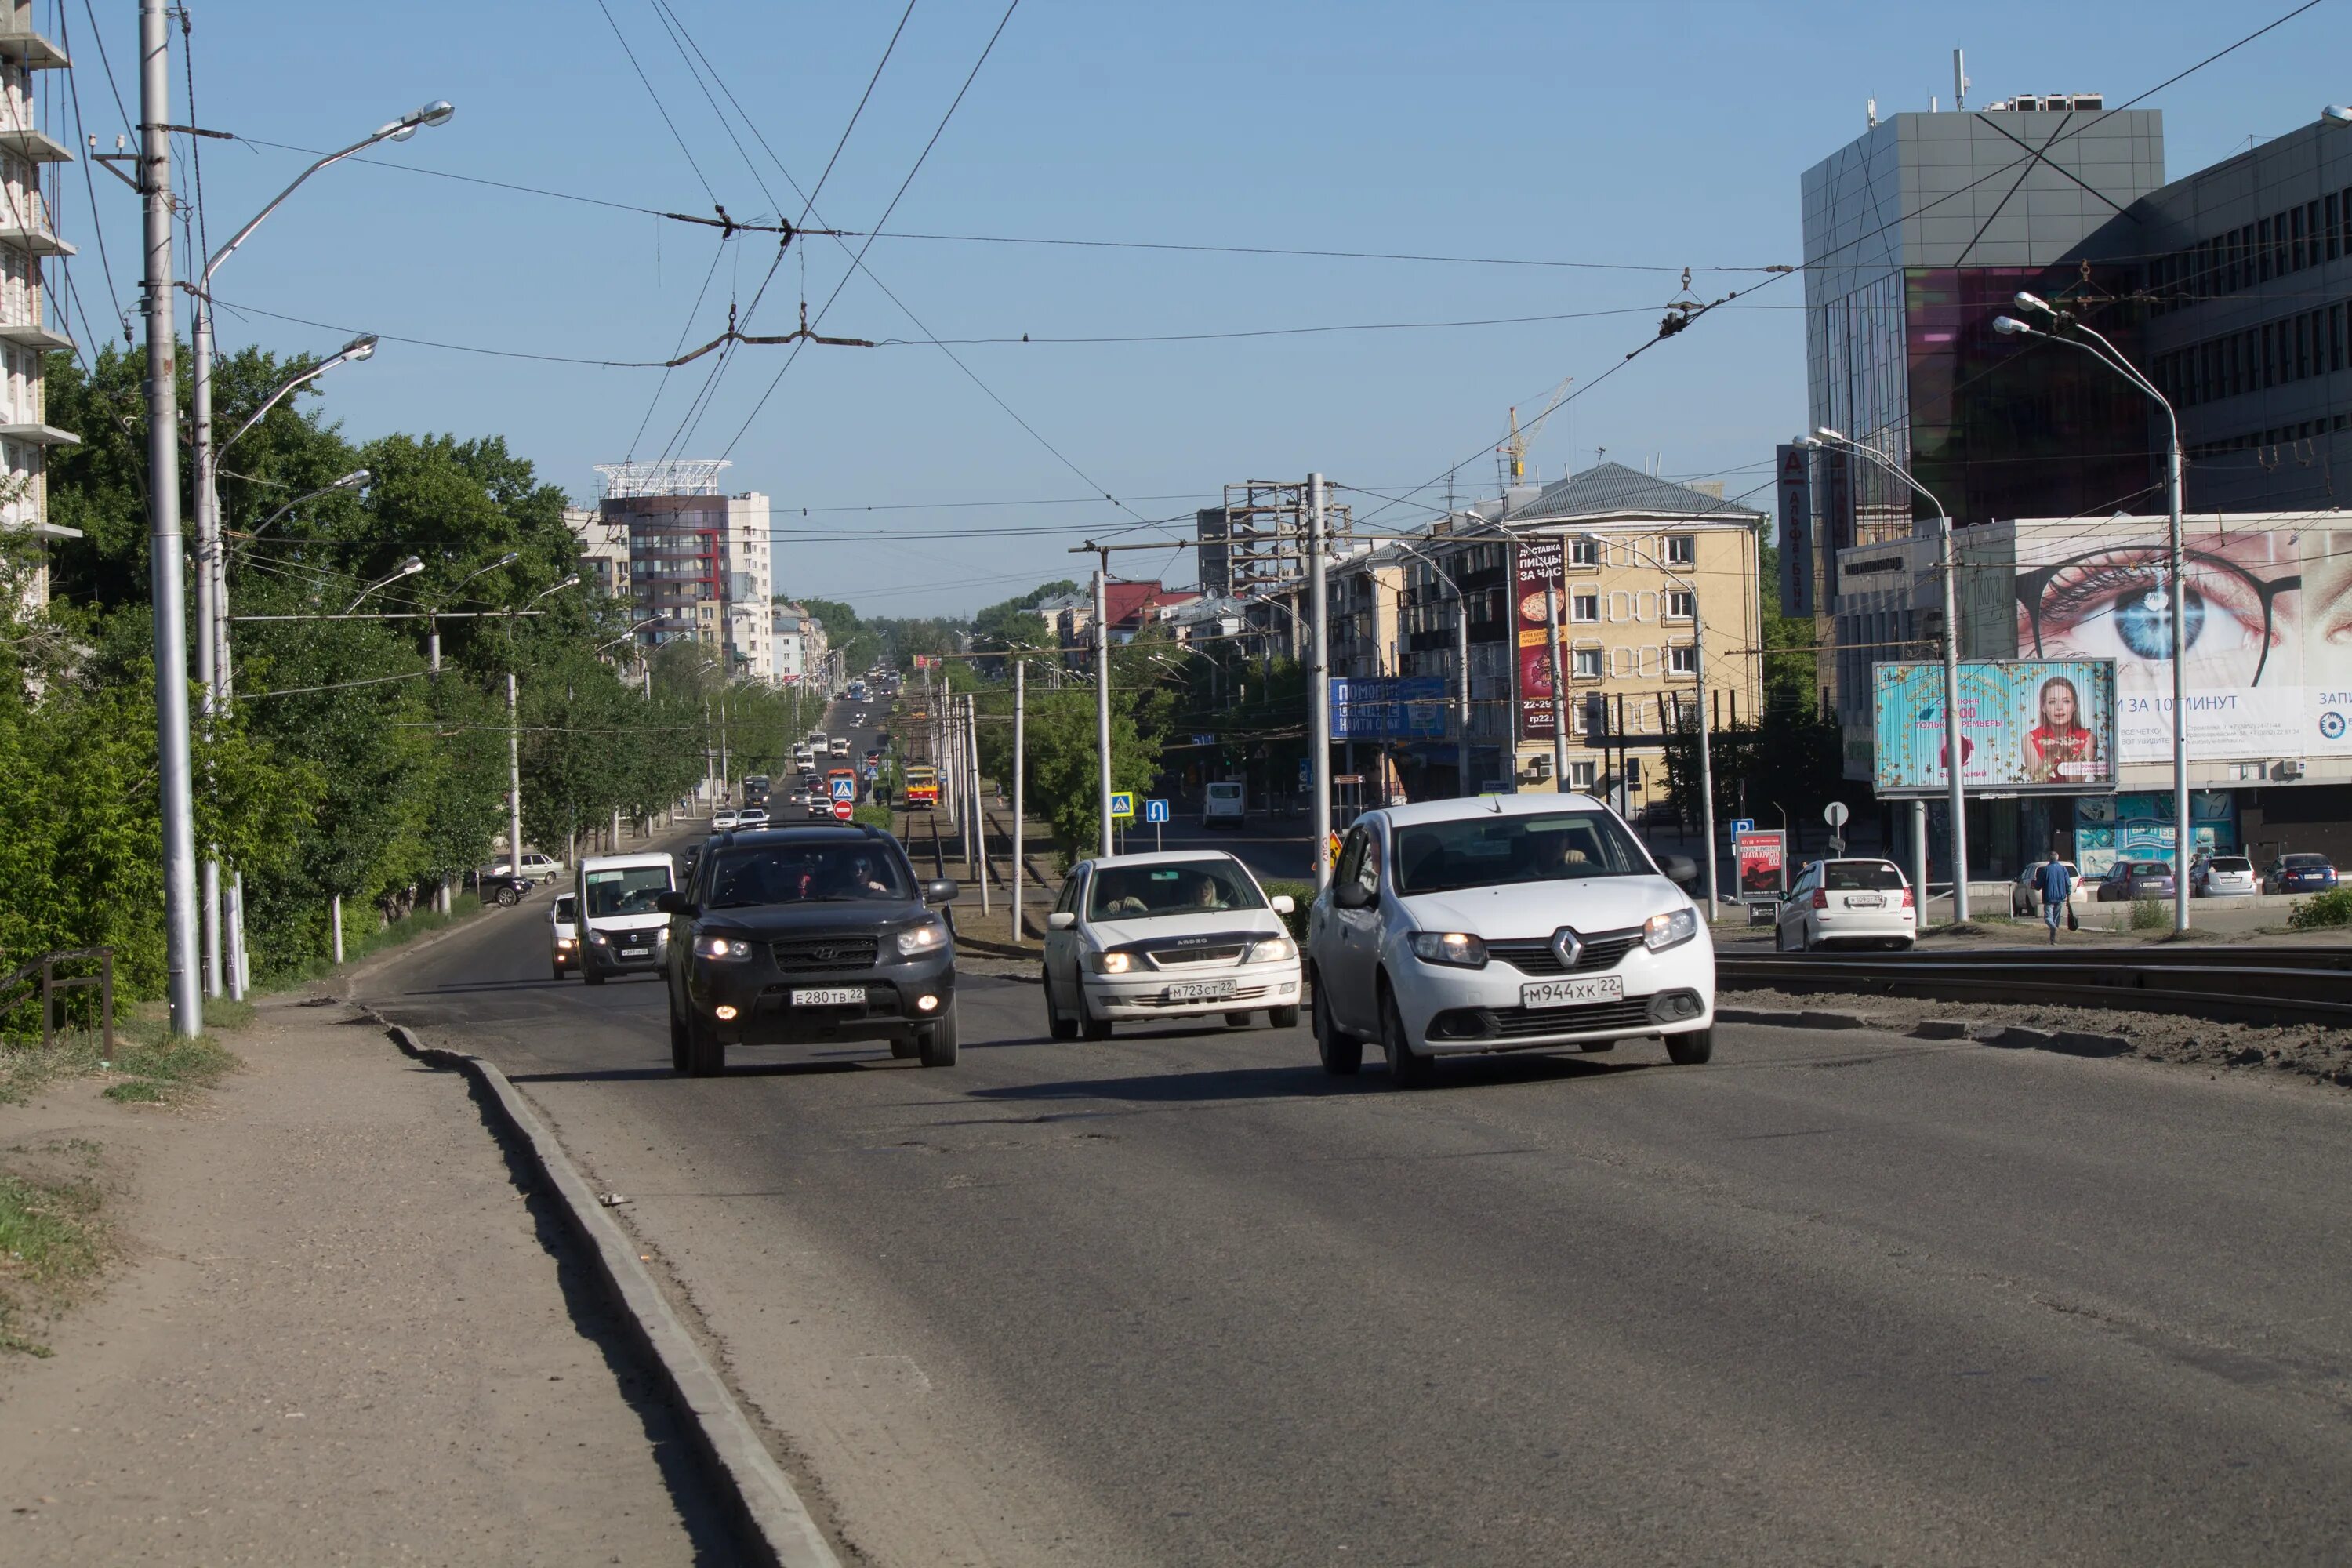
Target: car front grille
(1602,950)
(1181,957)
(1632,1015)
(825,951)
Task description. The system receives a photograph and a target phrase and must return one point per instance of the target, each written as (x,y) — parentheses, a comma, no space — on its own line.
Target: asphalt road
(1181,1299)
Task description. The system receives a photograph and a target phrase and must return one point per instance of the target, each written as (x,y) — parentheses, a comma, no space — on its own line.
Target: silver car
(2223,877)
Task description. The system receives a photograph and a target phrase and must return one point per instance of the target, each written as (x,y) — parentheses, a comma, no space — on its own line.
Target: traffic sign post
(845,789)
(1122,804)
(1834,814)
(1740,825)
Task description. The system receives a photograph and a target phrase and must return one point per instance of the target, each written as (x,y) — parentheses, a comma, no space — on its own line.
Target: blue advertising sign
(1389,708)
(1155,811)
(2027,727)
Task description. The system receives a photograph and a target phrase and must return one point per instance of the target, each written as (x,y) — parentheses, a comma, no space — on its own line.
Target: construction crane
(1514,451)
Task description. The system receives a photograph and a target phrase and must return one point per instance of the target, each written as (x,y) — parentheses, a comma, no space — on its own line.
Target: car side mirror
(1348,896)
(675,903)
(941,890)
(1060,920)
(1283,904)
(1681,871)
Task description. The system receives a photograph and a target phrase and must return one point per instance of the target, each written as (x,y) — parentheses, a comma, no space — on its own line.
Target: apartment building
(603,549)
(699,562)
(27,238)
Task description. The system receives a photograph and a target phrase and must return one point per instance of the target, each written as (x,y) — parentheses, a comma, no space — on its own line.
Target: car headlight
(1270,950)
(929,937)
(566,942)
(1458,948)
(599,939)
(1669,930)
(1110,963)
(721,947)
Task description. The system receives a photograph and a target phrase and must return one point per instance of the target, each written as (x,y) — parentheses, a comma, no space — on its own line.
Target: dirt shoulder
(335,1324)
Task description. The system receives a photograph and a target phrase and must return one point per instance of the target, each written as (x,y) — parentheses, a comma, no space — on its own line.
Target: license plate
(830,996)
(1571,993)
(1198,991)
(1872,902)
(636,951)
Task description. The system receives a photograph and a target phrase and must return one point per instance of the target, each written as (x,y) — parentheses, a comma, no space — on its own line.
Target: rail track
(2250,983)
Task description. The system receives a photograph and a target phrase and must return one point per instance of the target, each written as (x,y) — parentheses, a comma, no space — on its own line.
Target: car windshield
(1860,876)
(2306,860)
(807,873)
(626,890)
(1179,887)
(1489,850)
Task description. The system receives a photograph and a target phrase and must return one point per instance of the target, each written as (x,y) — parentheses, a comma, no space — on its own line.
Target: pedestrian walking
(2056,886)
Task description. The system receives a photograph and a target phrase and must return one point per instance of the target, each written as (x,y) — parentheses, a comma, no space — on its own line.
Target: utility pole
(1706,751)
(979,812)
(1558,684)
(1318,682)
(166,571)
(514,781)
(1102,693)
(1020,705)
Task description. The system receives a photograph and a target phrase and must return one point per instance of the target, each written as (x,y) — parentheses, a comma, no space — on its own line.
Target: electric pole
(166,569)
(1318,682)
(1102,692)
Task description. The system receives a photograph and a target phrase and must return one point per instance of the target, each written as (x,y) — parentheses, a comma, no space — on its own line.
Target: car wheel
(507,897)
(905,1049)
(591,974)
(705,1057)
(1407,1067)
(1690,1049)
(558,972)
(1237,1020)
(1061,1028)
(1092,1027)
(1283,1018)
(938,1042)
(1342,1052)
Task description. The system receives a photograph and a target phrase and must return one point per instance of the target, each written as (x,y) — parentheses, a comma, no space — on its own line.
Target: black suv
(794,935)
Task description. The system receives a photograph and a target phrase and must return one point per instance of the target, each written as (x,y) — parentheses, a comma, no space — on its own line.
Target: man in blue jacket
(2056,885)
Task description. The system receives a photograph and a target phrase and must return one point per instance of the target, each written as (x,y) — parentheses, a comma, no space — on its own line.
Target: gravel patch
(2314,1051)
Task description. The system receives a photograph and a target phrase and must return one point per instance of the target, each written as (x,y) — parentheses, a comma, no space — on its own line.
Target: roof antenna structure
(1960,82)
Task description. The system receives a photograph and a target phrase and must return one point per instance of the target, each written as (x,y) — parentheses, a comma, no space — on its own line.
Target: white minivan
(1222,805)
(623,928)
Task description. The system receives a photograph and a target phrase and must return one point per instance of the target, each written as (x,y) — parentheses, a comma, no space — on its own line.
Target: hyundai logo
(1567,946)
(824,954)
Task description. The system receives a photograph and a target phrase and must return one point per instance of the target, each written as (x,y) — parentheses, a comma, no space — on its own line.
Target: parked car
(2299,874)
(1505,924)
(2129,880)
(1860,902)
(2024,899)
(536,868)
(725,817)
(504,888)
(806,934)
(2223,877)
(1147,938)
(564,933)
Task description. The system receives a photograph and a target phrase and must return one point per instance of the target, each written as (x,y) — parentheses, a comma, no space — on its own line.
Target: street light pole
(166,567)
(1954,766)
(1102,695)
(2184,833)
(1318,680)
(514,781)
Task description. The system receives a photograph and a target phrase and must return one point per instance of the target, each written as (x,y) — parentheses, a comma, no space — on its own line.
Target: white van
(621,928)
(1221,806)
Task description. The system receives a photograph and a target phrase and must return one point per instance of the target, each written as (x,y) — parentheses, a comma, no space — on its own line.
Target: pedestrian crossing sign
(1122,805)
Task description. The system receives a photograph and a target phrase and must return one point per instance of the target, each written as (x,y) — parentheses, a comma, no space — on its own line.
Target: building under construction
(1258,537)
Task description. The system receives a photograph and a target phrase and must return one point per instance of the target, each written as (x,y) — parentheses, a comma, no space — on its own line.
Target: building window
(1584,553)
(1580,776)
(1682,660)
(1681,605)
(1588,663)
(1584,609)
(2295,243)
(1682,550)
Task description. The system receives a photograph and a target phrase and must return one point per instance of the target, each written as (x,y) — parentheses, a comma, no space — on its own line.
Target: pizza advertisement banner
(1534,562)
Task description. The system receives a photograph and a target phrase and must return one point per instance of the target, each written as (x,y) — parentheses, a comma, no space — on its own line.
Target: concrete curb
(767,1512)
(1791,1018)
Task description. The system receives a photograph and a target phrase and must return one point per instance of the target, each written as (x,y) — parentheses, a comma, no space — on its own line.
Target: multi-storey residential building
(27,238)
(603,549)
(699,562)
(798,644)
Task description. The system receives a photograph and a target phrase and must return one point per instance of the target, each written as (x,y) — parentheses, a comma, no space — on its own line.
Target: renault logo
(1567,946)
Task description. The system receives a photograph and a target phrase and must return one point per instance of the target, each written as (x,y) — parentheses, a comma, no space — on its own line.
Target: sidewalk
(340,1328)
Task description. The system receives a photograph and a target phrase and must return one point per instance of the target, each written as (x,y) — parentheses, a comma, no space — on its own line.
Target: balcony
(39,435)
(29,144)
(29,49)
(33,335)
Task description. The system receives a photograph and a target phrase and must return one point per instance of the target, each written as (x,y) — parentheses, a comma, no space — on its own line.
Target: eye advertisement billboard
(2266,628)
(2027,727)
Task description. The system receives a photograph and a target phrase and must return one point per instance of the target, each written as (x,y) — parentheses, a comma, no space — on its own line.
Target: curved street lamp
(433,626)
(2062,324)
(408,568)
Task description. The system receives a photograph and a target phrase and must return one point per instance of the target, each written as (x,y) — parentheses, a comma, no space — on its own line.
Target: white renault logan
(1505,924)
(1179,935)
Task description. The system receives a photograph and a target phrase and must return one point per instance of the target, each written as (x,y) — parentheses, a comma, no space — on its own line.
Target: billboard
(1534,562)
(2269,663)
(1762,855)
(1390,708)
(1796,504)
(2027,727)
(2140,827)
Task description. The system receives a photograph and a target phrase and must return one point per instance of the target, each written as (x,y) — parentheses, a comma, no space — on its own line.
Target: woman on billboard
(2061,738)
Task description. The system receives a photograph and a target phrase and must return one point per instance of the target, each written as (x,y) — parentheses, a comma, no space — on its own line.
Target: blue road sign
(1204,740)
(1122,804)
(1743,825)
(1305,771)
(1155,811)
(844,789)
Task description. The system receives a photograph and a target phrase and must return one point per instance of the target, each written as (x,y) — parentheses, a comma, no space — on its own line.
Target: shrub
(1302,894)
(2321,910)
(2149,914)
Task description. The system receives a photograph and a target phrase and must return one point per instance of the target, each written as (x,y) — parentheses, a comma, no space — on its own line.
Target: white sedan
(1859,901)
(1143,937)
(1505,924)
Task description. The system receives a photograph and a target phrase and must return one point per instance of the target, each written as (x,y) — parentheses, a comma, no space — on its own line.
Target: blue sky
(1651,136)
